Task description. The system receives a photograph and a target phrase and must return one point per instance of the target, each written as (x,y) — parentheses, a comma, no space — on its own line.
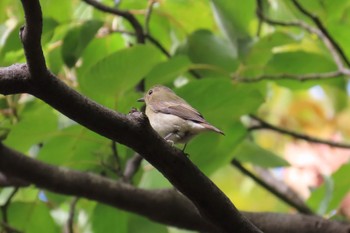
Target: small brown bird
(172,117)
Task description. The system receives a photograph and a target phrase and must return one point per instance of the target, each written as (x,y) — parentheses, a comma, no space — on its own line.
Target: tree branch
(134,131)
(30,35)
(287,196)
(14,79)
(332,46)
(265,125)
(166,206)
(131,167)
(298,77)
(125,14)
(324,31)
(70,221)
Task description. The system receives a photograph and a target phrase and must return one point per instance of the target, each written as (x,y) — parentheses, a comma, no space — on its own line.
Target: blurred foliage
(213,38)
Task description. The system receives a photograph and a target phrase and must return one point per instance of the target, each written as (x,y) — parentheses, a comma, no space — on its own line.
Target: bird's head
(158,94)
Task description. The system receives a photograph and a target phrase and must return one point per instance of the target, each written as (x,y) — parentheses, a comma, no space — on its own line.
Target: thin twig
(70,221)
(125,14)
(297,77)
(6,204)
(5,222)
(117,158)
(323,29)
(279,190)
(265,125)
(131,167)
(332,46)
(148,16)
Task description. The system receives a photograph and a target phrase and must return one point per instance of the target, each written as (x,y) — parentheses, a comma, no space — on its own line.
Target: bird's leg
(183,150)
(166,138)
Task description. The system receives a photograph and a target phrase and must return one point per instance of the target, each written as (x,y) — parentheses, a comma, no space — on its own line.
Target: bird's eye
(150,92)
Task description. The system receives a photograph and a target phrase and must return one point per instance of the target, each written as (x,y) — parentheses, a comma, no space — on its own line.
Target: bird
(172,117)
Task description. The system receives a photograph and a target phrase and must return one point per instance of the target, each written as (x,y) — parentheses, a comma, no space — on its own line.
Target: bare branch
(14,79)
(117,158)
(6,181)
(70,222)
(6,205)
(334,49)
(148,15)
(285,195)
(165,206)
(324,31)
(131,167)
(135,132)
(125,14)
(30,35)
(264,125)
(297,77)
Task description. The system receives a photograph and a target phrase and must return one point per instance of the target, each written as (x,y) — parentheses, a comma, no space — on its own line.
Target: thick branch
(135,132)
(165,206)
(265,125)
(125,14)
(30,35)
(14,79)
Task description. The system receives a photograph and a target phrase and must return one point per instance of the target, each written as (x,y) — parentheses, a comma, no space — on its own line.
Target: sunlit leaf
(37,124)
(110,77)
(329,195)
(105,218)
(71,50)
(31,217)
(249,152)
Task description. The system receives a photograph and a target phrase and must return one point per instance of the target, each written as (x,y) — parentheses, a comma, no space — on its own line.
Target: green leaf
(261,51)
(11,42)
(221,101)
(249,152)
(203,47)
(77,39)
(139,224)
(74,147)
(235,20)
(166,71)
(37,123)
(112,76)
(210,151)
(178,13)
(31,217)
(329,195)
(222,104)
(107,219)
(152,178)
(97,49)
(294,63)
(49,26)
(60,12)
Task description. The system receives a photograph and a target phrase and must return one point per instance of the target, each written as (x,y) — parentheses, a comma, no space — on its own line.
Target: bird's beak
(141,99)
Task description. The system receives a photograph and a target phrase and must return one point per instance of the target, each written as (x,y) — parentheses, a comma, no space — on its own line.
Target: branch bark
(166,206)
(132,130)
(267,126)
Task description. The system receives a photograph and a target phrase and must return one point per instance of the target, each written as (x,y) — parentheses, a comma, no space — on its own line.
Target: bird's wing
(183,110)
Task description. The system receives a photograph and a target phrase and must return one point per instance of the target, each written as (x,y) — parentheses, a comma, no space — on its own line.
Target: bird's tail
(212,128)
